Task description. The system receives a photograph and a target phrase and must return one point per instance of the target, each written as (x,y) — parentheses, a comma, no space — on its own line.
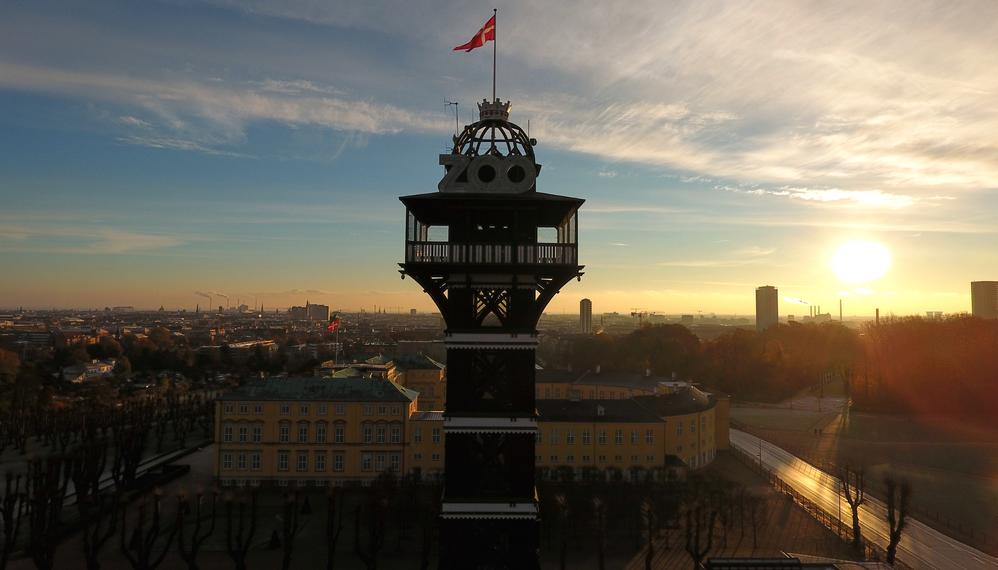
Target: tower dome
(493,134)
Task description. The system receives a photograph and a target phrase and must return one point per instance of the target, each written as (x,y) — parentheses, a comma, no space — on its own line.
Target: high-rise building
(586,316)
(984,299)
(491,278)
(318,312)
(767,307)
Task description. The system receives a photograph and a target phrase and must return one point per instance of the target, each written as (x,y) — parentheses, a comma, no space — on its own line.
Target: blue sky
(149,150)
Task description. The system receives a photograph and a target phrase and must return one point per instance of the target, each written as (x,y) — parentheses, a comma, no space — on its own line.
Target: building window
(284,433)
(585,459)
(243,408)
(320,433)
(380,433)
(634,436)
(282,460)
(650,436)
(382,410)
(602,437)
(396,410)
(395,462)
(368,410)
(242,461)
(303,410)
(338,433)
(554,436)
(255,461)
(365,461)
(340,409)
(679,428)
(302,433)
(228,408)
(587,438)
(417,456)
(258,409)
(693,426)
(554,459)
(570,459)
(570,437)
(379,462)
(226,461)
(435,436)
(417,434)
(435,457)
(651,459)
(243,434)
(257,434)
(227,433)
(618,437)
(368,433)
(338,461)
(602,459)
(302,461)
(320,461)
(285,409)
(618,458)
(396,434)
(323,409)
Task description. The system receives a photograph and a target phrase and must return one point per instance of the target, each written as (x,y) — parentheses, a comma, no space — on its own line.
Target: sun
(858,262)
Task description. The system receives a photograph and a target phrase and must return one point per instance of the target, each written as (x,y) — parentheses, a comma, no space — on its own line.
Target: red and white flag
(487,33)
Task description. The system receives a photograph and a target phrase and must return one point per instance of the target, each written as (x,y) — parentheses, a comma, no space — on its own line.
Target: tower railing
(500,254)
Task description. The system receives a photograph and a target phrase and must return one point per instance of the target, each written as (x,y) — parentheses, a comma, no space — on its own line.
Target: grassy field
(952,467)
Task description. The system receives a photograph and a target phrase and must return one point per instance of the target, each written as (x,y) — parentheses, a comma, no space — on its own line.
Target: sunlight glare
(860,261)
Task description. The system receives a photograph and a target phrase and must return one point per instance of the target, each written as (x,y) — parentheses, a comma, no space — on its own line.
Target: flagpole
(495,40)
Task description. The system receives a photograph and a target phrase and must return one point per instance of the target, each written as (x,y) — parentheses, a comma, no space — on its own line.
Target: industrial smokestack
(878,315)
(840,310)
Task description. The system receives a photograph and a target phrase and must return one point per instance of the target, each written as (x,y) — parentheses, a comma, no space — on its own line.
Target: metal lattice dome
(494,135)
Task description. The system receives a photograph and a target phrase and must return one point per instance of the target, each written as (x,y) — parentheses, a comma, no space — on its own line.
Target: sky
(256,148)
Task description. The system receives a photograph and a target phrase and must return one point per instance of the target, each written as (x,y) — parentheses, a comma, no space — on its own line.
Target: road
(920,547)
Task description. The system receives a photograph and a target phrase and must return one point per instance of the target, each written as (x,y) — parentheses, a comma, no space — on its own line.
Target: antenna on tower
(457,120)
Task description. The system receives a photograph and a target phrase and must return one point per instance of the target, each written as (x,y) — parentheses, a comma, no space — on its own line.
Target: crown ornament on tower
(494,110)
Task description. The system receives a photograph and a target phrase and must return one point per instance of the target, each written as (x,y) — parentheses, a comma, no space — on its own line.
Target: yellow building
(312,431)
(424,375)
(329,431)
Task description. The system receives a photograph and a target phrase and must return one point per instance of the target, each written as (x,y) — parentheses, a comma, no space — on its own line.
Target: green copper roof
(319,389)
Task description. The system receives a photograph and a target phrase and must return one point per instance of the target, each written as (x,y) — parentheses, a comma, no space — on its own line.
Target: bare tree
(334,525)
(240,526)
(377,510)
(98,511)
(756,506)
(46,490)
(897,514)
(700,519)
(12,510)
(204,526)
(650,517)
(147,548)
(292,525)
(599,520)
(855,491)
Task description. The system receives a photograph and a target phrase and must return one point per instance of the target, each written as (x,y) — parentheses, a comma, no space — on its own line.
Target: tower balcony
(540,254)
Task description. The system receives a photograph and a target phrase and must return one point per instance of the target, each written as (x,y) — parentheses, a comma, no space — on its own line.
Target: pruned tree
(649,516)
(377,511)
(46,492)
(897,514)
(599,521)
(13,505)
(292,525)
(755,506)
(240,526)
(334,524)
(203,523)
(699,532)
(561,504)
(854,488)
(147,548)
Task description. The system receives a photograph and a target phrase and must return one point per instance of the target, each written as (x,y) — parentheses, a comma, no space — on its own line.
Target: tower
(498,252)
(586,316)
(767,307)
(984,299)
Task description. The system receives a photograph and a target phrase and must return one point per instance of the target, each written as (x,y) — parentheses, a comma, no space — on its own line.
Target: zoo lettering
(512,174)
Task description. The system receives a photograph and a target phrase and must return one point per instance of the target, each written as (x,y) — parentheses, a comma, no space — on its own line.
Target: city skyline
(151,152)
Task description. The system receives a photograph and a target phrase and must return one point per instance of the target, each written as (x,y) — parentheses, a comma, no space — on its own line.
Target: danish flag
(487,33)
(334,323)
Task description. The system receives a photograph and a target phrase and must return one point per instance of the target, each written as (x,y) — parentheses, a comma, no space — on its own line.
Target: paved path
(921,546)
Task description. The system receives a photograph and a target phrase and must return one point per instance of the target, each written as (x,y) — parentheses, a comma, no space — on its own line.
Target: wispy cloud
(61,238)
